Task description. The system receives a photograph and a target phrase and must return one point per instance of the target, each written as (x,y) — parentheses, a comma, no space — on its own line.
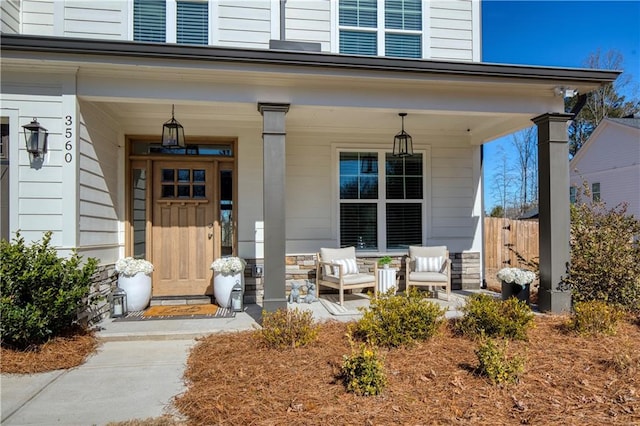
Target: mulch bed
(59,353)
(568,379)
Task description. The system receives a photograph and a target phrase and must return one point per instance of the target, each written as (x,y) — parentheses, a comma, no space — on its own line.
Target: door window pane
(198,175)
(167,191)
(139,211)
(167,175)
(199,191)
(226,212)
(184,175)
(184,191)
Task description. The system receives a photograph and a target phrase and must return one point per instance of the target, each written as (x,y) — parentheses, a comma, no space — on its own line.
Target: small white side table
(386,279)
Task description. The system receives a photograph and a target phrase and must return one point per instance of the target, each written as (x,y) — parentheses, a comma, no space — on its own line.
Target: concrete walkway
(137,370)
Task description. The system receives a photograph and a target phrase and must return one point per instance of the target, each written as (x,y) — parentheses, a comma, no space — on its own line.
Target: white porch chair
(428,267)
(337,268)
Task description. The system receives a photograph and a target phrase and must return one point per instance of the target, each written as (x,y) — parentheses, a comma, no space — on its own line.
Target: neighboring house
(609,163)
(290,109)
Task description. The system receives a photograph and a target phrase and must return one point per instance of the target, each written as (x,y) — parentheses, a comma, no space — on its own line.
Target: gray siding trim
(27,43)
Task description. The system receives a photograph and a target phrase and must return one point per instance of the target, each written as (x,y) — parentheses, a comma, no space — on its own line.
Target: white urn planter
(222,286)
(138,289)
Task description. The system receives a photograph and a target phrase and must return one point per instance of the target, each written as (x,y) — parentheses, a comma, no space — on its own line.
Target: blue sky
(556,33)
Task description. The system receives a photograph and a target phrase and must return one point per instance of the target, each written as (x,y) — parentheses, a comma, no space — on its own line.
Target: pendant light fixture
(172,132)
(402,142)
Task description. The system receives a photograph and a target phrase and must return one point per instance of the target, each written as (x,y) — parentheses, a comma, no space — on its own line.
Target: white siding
(39,185)
(312,215)
(309,21)
(244,24)
(37,17)
(612,158)
(98,179)
(453,189)
(10,16)
(450,30)
(105,19)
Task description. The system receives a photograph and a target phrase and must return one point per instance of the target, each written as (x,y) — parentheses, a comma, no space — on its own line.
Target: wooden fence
(503,238)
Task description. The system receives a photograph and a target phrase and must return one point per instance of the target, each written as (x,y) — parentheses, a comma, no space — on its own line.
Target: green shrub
(485,315)
(41,292)
(595,317)
(396,320)
(363,372)
(494,363)
(605,248)
(288,328)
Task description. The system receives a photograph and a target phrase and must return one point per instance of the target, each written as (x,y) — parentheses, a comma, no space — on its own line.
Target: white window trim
(381,30)
(171,21)
(381,201)
(16,139)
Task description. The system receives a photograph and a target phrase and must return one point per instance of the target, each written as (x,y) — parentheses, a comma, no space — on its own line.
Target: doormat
(178,312)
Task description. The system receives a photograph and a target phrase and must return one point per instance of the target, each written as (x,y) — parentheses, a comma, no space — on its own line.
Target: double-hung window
(151,21)
(381,200)
(381,27)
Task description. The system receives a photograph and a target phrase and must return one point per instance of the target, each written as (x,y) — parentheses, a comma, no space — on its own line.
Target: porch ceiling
(218,119)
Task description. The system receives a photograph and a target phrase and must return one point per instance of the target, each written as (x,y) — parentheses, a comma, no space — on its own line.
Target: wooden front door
(184,206)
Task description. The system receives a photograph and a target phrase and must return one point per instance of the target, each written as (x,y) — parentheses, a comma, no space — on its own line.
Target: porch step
(181,300)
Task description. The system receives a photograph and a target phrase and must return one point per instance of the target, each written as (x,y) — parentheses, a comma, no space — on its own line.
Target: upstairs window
(398,34)
(149,20)
(403,25)
(191,24)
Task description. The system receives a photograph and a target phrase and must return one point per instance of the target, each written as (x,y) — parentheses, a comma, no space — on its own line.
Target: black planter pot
(515,290)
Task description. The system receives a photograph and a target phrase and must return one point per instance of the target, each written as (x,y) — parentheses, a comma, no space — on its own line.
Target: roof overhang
(489,99)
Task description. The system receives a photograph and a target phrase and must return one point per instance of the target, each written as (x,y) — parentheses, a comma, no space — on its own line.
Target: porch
(108,330)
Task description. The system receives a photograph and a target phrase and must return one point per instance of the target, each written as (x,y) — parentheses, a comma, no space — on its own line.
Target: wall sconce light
(172,133)
(402,142)
(35,137)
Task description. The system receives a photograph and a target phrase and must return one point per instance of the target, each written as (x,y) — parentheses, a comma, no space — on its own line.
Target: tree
(497,211)
(526,146)
(603,102)
(503,180)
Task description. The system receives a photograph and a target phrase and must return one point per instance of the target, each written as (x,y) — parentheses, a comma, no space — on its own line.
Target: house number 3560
(68,135)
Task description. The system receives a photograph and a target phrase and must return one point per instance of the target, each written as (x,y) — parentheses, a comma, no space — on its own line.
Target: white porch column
(274,209)
(553,177)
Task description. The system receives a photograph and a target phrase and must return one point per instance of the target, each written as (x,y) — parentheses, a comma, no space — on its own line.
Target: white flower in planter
(228,265)
(130,266)
(516,275)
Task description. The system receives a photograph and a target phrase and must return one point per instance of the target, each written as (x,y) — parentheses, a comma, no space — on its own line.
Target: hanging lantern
(402,142)
(172,132)
(35,137)
(236,297)
(118,303)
